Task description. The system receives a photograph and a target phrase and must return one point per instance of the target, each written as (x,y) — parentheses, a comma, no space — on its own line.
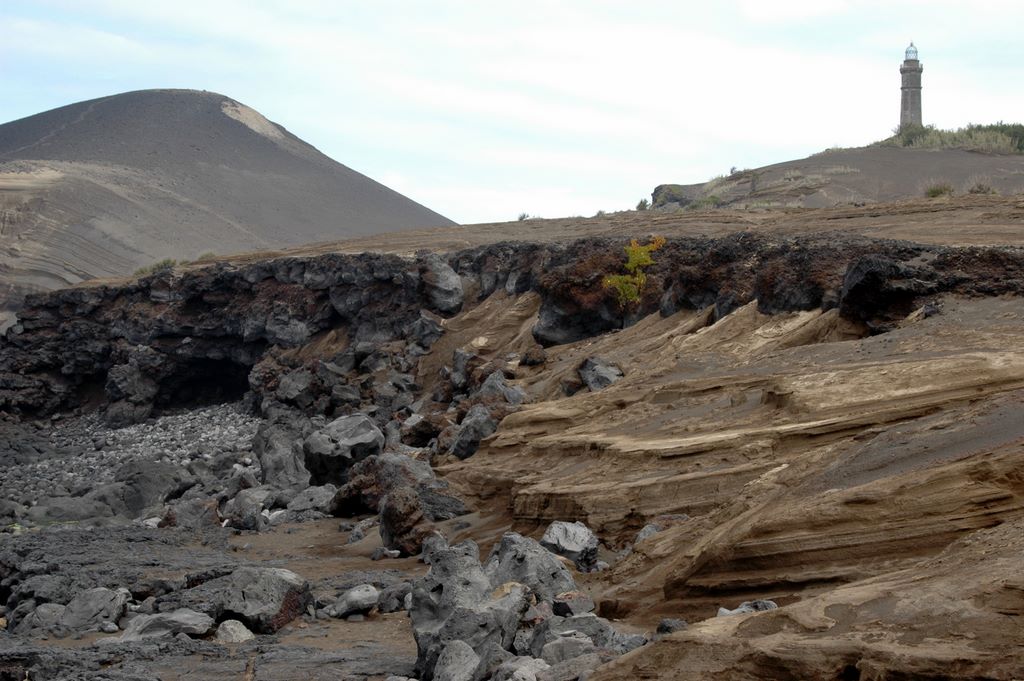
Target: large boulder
(454,601)
(402,523)
(331,451)
(245,510)
(359,599)
(375,477)
(264,599)
(441,283)
(195,513)
(45,618)
(318,499)
(597,629)
(496,389)
(516,558)
(575,541)
(148,484)
(278,446)
(233,631)
(296,387)
(476,425)
(166,625)
(92,607)
(457,662)
(598,373)
(131,389)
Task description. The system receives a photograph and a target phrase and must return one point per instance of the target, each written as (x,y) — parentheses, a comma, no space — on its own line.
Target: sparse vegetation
(1003,138)
(644,204)
(939,189)
(981,188)
(206,257)
(712,201)
(160,266)
(629,287)
(523,216)
(599,214)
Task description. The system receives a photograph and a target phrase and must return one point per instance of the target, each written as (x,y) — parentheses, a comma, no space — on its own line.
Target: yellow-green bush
(629,287)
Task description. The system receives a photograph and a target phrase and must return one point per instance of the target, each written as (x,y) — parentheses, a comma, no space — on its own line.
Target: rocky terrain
(797,455)
(103,187)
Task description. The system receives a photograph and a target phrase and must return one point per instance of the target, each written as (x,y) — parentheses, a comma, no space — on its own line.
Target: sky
(484,110)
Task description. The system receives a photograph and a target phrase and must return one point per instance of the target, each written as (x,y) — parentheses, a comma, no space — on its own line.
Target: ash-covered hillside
(103,187)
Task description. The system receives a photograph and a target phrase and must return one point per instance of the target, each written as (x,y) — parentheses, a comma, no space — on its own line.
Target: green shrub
(644,204)
(981,188)
(160,266)
(629,288)
(206,257)
(523,216)
(1003,138)
(939,189)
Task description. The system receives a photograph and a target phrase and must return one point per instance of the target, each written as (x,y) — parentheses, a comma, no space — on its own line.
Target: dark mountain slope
(102,187)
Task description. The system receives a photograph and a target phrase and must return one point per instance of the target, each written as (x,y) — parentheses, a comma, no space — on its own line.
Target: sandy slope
(819,468)
(858,176)
(100,188)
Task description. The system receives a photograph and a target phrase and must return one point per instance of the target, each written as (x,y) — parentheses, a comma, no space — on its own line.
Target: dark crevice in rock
(202,382)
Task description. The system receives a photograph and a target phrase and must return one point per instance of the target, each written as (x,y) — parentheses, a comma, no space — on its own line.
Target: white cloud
(483,111)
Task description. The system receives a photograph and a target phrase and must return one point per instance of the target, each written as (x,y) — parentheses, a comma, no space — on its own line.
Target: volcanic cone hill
(102,187)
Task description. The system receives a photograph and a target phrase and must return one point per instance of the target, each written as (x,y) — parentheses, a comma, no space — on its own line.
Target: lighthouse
(910,104)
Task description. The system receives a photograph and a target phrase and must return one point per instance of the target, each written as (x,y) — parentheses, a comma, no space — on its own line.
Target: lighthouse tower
(910,104)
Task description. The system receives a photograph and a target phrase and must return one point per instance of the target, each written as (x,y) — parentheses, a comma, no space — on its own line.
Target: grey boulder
(454,601)
(575,541)
(598,373)
(457,662)
(597,629)
(331,451)
(566,647)
(90,608)
(313,499)
(476,425)
(572,603)
(520,669)
(359,599)
(264,599)
(233,631)
(166,625)
(442,284)
(516,558)
(194,513)
(245,511)
(571,669)
(496,388)
(278,446)
(46,617)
